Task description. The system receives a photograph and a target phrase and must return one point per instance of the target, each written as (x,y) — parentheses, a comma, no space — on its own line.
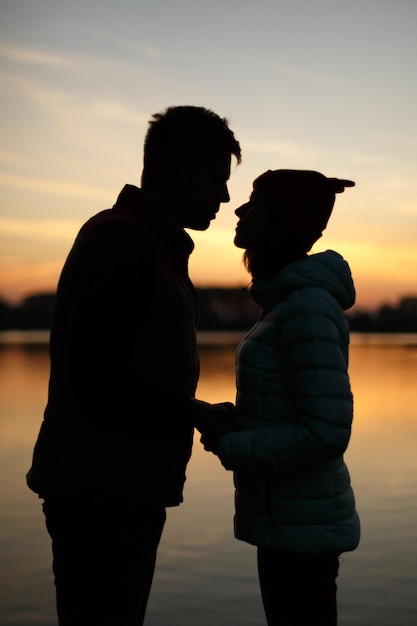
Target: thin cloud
(283,148)
(124,43)
(149,52)
(301,73)
(60,188)
(115,111)
(11,157)
(153,53)
(63,104)
(45,229)
(24,55)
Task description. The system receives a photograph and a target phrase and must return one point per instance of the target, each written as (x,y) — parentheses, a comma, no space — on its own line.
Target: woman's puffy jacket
(295,409)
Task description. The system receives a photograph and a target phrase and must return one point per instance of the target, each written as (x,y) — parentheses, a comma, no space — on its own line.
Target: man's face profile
(204,188)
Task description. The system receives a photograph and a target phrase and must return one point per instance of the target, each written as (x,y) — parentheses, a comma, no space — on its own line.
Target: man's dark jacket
(124,361)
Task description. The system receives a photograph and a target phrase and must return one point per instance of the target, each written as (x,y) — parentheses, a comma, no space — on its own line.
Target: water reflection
(204,576)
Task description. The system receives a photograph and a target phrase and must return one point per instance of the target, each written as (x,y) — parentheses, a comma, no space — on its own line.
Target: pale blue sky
(326,85)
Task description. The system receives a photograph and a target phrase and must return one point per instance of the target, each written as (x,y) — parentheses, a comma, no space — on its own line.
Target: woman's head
(286,215)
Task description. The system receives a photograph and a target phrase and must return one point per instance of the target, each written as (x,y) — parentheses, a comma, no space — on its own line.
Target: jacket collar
(136,205)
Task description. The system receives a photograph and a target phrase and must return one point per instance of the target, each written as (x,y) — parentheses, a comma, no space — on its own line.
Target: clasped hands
(213,421)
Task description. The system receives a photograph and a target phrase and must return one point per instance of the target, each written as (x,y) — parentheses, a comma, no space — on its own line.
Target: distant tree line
(220,309)
(387,318)
(33,313)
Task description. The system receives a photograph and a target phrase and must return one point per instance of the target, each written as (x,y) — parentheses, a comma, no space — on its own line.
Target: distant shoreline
(222,309)
(213,339)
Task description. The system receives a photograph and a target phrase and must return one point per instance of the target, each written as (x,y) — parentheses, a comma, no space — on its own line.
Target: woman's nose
(241,210)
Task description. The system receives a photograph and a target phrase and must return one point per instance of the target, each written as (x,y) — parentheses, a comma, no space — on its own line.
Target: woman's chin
(238,242)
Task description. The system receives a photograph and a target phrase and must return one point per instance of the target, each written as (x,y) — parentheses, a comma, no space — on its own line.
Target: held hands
(213,421)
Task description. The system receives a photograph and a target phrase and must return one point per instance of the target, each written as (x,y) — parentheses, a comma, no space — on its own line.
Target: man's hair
(191,134)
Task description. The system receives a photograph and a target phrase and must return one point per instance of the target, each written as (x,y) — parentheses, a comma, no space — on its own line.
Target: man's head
(186,163)
(302,200)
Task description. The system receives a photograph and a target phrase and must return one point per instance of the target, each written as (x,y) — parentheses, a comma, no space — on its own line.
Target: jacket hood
(326,270)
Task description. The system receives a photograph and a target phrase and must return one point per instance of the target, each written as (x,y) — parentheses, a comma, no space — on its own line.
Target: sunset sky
(326,85)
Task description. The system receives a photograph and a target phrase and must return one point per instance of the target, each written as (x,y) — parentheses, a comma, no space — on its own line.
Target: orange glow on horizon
(215,262)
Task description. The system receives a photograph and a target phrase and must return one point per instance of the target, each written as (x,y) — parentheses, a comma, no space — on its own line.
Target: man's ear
(178,173)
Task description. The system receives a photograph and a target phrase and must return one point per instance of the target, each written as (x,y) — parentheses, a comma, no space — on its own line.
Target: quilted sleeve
(311,341)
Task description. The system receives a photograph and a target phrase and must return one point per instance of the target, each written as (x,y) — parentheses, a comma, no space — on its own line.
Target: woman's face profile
(253,219)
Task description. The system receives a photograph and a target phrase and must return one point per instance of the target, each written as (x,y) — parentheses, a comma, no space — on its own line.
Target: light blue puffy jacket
(295,409)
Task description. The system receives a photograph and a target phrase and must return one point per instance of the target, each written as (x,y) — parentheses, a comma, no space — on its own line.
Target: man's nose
(225,194)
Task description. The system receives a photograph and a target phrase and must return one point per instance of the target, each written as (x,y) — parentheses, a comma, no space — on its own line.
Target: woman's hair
(276,249)
(191,134)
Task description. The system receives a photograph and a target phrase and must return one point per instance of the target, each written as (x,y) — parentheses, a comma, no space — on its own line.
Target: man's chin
(200,226)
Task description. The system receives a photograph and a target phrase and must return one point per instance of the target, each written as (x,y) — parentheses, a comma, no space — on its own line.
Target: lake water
(204,576)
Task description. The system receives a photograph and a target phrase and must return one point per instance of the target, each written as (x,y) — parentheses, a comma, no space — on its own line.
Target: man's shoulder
(130,210)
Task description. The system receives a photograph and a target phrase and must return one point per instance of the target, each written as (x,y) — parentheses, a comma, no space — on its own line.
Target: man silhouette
(117,431)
